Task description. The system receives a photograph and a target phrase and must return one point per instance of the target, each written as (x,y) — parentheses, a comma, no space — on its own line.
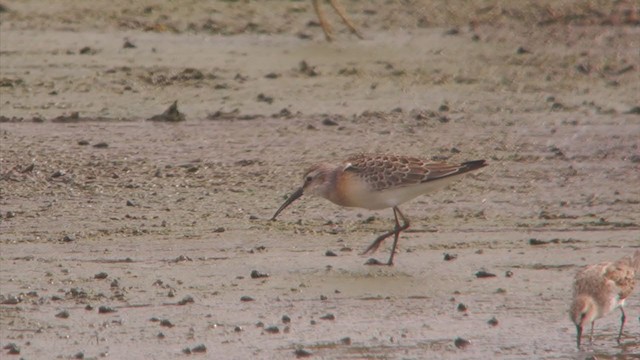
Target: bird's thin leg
(623,317)
(396,232)
(376,243)
(591,334)
(398,229)
(328,33)
(578,335)
(343,15)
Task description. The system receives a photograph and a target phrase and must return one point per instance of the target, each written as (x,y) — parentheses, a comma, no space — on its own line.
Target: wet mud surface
(123,237)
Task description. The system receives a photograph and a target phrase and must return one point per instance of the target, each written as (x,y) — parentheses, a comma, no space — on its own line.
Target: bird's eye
(308,179)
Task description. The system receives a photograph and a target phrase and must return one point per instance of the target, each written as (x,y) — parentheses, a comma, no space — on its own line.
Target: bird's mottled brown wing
(623,276)
(632,261)
(385,171)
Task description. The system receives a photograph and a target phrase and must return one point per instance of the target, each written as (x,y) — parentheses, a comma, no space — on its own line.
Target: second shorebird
(601,288)
(374,182)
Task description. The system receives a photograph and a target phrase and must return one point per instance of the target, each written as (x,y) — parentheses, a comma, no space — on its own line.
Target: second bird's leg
(622,320)
(396,232)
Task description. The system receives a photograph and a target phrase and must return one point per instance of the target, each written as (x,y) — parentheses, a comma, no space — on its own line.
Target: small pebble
(166,323)
(328,317)
(449,257)
(199,349)
(246,298)
(105,309)
(493,321)
(272,329)
(373,261)
(11,300)
(58,173)
(101,275)
(286,319)
(101,145)
(329,122)
(345,341)
(633,110)
(452,31)
(182,258)
(556,106)
(508,273)
(237,329)
(13,348)
(186,300)
(462,307)
(64,314)
(87,50)
(79,355)
(128,44)
(255,274)
(330,253)
(534,242)
(302,353)
(264,98)
(461,343)
(483,274)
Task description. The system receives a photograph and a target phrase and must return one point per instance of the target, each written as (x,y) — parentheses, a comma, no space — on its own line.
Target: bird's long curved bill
(579,331)
(293,197)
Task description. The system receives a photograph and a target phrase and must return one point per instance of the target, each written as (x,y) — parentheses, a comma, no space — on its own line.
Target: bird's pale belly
(376,200)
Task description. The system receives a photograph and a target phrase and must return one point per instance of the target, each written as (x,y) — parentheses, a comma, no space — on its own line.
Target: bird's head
(583,311)
(317,181)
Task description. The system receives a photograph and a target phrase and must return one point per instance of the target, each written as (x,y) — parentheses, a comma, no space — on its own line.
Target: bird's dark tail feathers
(472,165)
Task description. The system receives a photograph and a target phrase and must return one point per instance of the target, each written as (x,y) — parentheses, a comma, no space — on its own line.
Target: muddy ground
(128,238)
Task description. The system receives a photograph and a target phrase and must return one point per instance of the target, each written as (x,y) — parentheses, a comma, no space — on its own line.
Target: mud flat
(127,238)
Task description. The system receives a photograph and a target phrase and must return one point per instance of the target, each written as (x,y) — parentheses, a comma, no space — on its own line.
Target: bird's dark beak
(293,197)
(579,331)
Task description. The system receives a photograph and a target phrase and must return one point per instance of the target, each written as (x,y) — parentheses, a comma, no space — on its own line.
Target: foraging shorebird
(601,288)
(374,182)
